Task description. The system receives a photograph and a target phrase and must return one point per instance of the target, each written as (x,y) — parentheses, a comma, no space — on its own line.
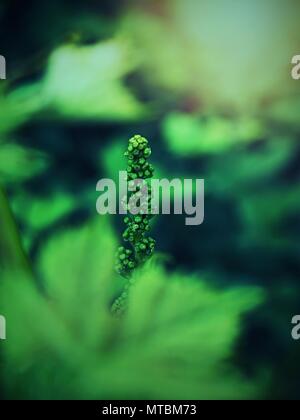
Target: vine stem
(12,254)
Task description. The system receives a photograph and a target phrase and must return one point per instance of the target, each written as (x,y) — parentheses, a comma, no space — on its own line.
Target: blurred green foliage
(18,163)
(196,79)
(65,342)
(97,73)
(186,134)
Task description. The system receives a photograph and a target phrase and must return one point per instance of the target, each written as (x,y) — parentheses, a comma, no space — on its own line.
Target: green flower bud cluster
(137,153)
(137,225)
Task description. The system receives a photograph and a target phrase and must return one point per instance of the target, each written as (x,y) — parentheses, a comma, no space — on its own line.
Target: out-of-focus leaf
(19,106)
(188,135)
(80,83)
(18,163)
(12,256)
(177,331)
(183,330)
(77,267)
(39,213)
(235,170)
(86,82)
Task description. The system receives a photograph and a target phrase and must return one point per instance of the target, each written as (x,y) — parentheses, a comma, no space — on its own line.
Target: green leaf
(187,134)
(174,341)
(86,82)
(11,252)
(19,106)
(80,83)
(19,164)
(77,267)
(40,212)
(182,330)
(234,170)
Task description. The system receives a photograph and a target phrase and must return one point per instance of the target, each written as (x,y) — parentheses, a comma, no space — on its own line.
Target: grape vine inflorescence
(137,225)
